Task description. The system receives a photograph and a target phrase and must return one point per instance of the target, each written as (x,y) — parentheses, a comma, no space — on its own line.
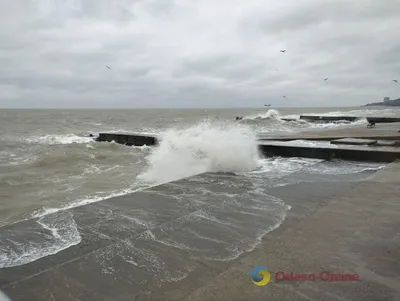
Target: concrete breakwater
(283,149)
(328,152)
(316,118)
(131,139)
(383,119)
(176,242)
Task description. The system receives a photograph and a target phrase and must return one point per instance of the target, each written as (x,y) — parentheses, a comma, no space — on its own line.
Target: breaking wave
(273,121)
(205,147)
(270,114)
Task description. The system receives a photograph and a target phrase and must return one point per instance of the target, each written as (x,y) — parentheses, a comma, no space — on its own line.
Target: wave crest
(58,139)
(202,148)
(270,114)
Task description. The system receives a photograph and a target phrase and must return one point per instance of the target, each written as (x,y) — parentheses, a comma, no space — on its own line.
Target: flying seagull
(108,67)
(283,50)
(326,79)
(267,105)
(284,96)
(395,80)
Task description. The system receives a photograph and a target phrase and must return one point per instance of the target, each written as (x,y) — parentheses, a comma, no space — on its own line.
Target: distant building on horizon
(386,102)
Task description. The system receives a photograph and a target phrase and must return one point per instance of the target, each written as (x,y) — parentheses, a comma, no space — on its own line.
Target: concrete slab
(129,139)
(144,246)
(357,232)
(390,174)
(386,131)
(322,118)
(327,152)
(383,119)
(133,245)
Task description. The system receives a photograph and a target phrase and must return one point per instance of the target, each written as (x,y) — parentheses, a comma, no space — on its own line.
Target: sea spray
(270,114)
(206,147)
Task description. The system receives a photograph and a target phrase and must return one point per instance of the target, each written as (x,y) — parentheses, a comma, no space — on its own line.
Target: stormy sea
(49,165)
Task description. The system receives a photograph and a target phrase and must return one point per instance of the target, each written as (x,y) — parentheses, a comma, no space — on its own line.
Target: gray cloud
(181,53)
(294,16)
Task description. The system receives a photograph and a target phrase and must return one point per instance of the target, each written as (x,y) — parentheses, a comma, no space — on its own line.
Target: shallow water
(212,216)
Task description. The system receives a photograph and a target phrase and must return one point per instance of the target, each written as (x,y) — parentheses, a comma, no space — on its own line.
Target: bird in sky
(326,79)
(108,67)
(283,50)
(277,69)
(395,80)
(284,96)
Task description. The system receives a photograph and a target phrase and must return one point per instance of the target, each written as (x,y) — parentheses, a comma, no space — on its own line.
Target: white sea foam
(280,167)
(60,232)
(272,121)
(144,148)
(309,143)
(223,231)
(335,168)
(270,114)
(58,139)
(84,201)
(205,147)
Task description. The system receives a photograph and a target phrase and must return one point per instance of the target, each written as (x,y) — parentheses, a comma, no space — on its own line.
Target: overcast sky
(198,53)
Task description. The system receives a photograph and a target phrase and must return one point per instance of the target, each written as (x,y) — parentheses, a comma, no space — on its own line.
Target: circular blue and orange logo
(260,276)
